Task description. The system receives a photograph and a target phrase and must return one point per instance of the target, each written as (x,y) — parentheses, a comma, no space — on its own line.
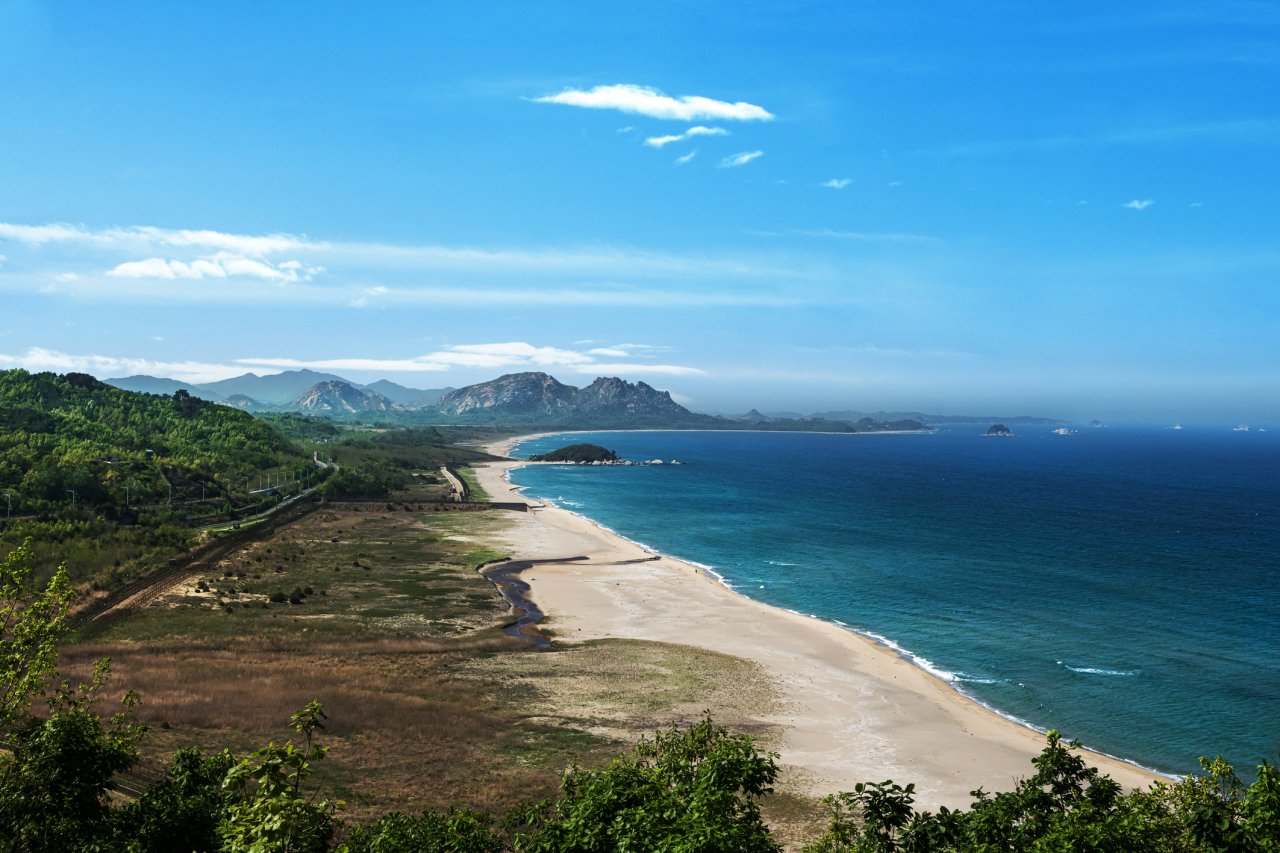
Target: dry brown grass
(404,734)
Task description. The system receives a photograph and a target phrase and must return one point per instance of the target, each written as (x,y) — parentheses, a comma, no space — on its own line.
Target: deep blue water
(1119,585)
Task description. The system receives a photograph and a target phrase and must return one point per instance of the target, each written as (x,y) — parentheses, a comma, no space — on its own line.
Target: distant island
(999,429)
(578,453)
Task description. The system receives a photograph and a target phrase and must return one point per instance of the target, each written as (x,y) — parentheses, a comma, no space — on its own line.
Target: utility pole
(203,484)
(73,497)
(171,493)
(9,512)
(126,496)
(246,486)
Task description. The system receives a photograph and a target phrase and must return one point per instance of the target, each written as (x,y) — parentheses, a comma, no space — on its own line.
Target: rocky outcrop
(542,396)
(340,398)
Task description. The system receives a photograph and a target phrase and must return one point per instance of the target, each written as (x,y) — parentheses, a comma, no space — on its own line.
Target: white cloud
(38,359)
(220,265)
(680,161)
(626,129)
(895,183)
(68,276)
(517,355)
(659,141)
(240,244)
(641,369)
(1138,205)
(739,159)
(652,103)
(838,183)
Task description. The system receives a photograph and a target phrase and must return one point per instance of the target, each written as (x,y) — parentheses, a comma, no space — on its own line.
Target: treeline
(692,791)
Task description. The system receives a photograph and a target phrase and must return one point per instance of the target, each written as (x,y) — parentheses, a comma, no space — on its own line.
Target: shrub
(307,591)
(279,597)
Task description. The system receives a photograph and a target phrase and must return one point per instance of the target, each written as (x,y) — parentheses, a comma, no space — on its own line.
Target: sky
(1066,210)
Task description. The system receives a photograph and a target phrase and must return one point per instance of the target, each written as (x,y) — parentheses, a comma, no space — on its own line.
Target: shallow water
(1119,585)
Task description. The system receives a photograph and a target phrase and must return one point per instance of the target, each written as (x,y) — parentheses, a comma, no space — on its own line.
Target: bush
(279,597)
(297,595)
(307,591)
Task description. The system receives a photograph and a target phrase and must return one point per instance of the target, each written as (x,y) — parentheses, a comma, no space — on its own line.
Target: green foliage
(1066,806)
(53,782)
(455,832)
(31,624)
(370,479)
(277,816)
(577,453)
(59,433)
(686,792)
(298,427)
(179,813)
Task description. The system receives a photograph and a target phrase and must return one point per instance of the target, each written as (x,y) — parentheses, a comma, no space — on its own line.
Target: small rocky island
(581,454)
(999,429)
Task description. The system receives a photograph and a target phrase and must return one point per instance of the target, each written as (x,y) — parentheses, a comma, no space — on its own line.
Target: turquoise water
(1119,585)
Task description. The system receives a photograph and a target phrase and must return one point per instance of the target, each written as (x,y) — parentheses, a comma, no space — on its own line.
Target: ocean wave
(1096,671)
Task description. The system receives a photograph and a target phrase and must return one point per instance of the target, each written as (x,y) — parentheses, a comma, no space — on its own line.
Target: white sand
(854,710)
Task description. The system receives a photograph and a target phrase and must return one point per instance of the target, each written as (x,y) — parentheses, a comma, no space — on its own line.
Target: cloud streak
(659,141)
(645,101)
(838,183)
(1138,205)
(517,355)
(740,159)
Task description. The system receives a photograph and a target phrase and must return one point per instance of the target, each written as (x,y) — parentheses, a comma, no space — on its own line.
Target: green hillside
(72,433)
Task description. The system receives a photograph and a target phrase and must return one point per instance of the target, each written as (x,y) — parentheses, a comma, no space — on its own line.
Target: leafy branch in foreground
(1066,806)
(695,791)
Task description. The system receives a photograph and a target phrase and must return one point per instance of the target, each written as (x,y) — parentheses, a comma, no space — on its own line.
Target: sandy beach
(853,711)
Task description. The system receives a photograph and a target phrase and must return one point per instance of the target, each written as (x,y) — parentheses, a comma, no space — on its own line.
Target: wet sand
(853,711)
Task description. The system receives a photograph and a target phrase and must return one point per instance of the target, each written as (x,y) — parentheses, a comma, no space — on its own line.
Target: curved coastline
(1000,739)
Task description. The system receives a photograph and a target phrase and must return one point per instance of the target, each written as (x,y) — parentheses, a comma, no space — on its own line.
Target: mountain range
(274,391)
(521,398)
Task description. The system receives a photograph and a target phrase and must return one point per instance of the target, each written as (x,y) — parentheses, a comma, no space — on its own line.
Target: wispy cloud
(124,265)
(253,246)
(862,236)
(1138,205)
(680,161)
(498,356)
(653,103)
(838,183)
(659,141)
(513,354)
(740,159)
(38,359)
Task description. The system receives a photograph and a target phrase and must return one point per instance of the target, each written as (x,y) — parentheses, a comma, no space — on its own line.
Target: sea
(1120,585)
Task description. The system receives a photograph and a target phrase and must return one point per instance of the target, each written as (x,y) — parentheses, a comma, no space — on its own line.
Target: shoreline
(855,707)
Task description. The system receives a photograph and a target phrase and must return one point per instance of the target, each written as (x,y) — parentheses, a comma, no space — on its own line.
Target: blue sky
(1001,208)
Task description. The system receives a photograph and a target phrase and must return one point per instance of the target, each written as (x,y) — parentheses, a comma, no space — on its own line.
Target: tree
(277,816)
(694,791)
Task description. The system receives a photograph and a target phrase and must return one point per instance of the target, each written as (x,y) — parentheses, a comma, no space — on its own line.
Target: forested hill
(61,433)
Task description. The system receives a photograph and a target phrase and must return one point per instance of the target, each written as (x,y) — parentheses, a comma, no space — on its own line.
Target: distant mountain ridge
(274,390)
(540,397)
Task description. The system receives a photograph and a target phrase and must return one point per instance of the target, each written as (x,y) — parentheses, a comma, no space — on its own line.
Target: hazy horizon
(1066,213)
